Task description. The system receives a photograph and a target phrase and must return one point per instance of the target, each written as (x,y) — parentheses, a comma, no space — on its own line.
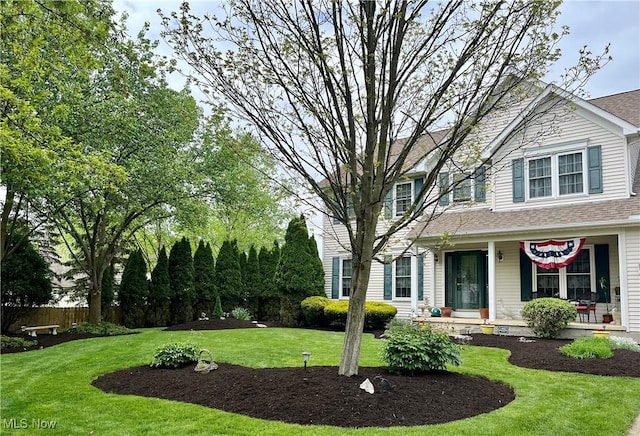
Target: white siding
(632,238)
(573,129)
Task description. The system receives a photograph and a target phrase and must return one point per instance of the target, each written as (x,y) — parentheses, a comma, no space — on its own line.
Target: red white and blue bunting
(553,254)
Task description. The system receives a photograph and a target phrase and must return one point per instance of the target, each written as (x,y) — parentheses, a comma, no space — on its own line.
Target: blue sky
(594,23)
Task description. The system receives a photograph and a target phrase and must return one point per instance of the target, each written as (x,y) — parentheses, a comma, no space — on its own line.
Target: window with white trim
(462,187)
(576,281)
(403,197)
(402,280)
(557,175)
(345,280)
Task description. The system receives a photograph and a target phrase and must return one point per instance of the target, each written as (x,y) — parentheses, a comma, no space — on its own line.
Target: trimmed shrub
(241,313)
(313,310)
(377,314)
(175,355)
(217,309)
(336,312)
(588,348)
(15,342)
(547,316)
(101,328)
(411,349)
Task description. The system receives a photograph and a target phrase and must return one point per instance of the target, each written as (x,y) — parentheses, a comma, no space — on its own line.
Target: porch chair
(585,307)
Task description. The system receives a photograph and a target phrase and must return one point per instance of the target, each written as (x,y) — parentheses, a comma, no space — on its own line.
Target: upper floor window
(556,175)
(403,198)
(559,173)
(462,187)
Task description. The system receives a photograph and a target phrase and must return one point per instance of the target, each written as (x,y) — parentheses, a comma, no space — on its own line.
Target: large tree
(181,281)
(159,292)
(331,87)
(129,114)
(47,48)
(204,280)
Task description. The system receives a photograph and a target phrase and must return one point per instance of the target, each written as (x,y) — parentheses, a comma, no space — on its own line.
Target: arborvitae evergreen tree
(318,269)
(107,295)
(253,282)
(242,260)
(133,291)
(296,277)
(204,280)
(269,306)
(159,292)
(217,309)
(181,276)
(26,281)
(228,278)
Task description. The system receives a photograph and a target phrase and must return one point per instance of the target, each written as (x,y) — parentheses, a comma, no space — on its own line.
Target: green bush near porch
(546,317)
(377,314)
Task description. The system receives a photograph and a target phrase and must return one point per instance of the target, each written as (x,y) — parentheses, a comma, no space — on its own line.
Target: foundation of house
(511,327)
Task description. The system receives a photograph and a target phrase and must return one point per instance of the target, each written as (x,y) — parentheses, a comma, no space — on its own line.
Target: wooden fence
(63,316)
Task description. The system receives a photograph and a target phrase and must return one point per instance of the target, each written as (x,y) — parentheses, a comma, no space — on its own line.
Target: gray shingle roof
(625,105)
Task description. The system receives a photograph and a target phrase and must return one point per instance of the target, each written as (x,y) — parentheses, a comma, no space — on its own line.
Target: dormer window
(462,187)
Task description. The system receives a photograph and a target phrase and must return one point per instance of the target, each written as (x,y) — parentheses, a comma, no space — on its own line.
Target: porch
(518,327)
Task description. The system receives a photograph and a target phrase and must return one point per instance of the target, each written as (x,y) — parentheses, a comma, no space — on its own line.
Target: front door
(466,281)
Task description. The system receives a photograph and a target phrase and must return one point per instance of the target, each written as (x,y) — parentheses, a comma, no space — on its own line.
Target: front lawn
(53,385)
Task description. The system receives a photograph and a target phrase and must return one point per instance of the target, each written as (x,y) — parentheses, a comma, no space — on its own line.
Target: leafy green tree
(181,279)
(47,46)
(204,279)
(269,305)
(253,282)
(26,282)
(159,292)
(296,277)
(129,114)
(228,276)
(370,82)
(133,291)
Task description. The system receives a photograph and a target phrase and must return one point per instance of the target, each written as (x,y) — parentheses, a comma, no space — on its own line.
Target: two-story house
(564,190)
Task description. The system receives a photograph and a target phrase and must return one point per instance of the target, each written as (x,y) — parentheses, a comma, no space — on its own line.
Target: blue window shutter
(387,278)
(526,283)
(594,158)
(443,188)
(479,185)
(517,172)
(601,254)
(417,187)
(420,277)
(335,278)
(388,204)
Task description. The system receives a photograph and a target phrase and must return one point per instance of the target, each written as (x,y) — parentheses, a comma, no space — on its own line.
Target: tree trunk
(95,300)
(359,284)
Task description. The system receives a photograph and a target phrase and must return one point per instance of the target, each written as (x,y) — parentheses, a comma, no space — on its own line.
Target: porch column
(414,285)
(432,278)
(622,271)
(492,280)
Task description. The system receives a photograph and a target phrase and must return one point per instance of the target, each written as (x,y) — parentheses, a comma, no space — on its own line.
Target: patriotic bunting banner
(553,254)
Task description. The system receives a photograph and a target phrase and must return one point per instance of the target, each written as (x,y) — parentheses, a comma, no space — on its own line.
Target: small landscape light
(305,358)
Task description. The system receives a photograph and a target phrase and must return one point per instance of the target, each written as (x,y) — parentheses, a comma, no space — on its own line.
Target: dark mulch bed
(320,396)
(544,354)
(217,324)
(48,340)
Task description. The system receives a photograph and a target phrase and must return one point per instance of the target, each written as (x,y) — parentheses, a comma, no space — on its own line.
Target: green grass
(53,384)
